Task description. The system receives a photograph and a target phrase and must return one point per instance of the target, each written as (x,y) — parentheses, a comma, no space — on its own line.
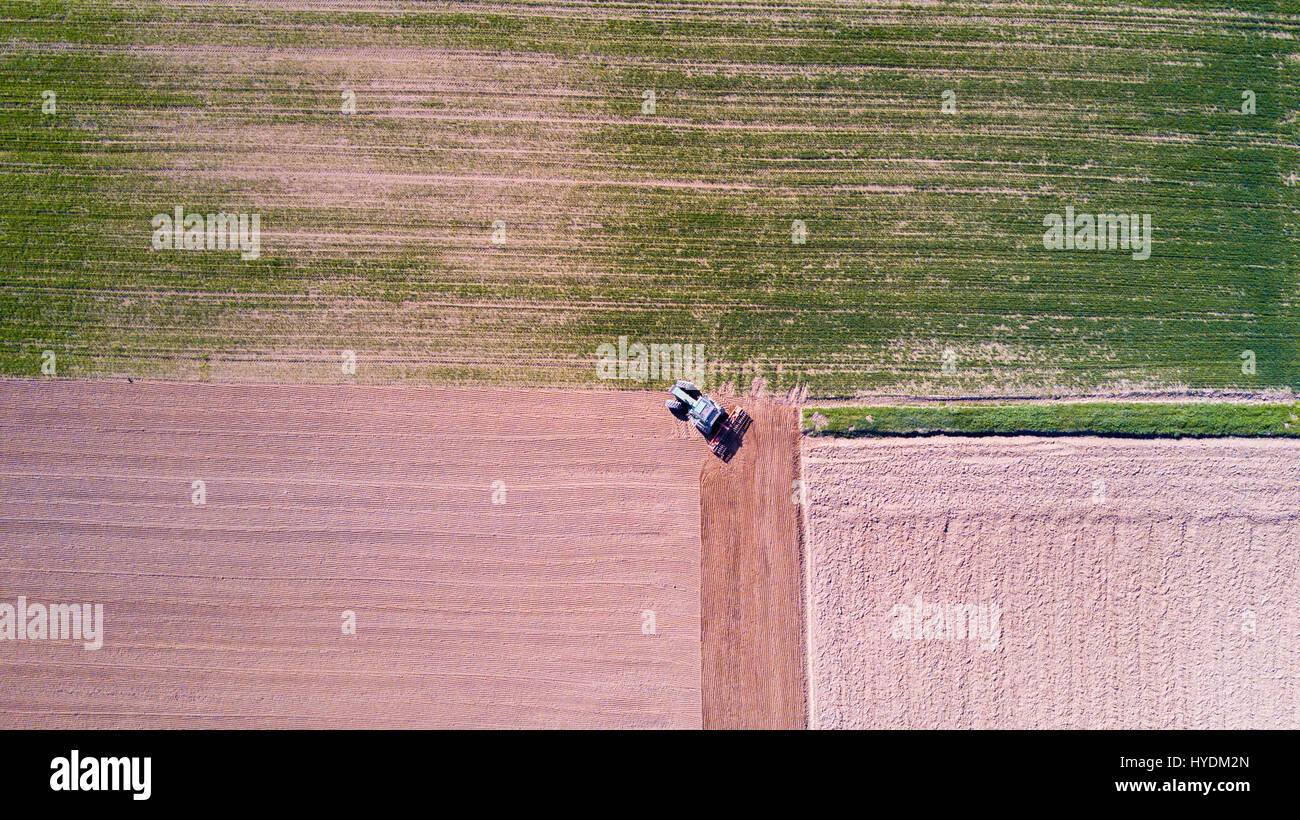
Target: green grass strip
(1125,419)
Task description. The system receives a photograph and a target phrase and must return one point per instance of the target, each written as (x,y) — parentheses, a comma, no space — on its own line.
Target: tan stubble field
(1139,584)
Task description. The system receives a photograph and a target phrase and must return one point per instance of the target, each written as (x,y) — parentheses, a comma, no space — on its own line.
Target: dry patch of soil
(1137,584)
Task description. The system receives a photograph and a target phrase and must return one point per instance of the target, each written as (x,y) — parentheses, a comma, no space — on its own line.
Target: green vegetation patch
(1125,419)
(798,200)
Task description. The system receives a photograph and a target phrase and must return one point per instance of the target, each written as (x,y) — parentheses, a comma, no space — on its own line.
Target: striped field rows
(922,267)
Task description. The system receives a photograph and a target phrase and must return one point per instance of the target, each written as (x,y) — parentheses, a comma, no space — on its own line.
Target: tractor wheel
(677,408)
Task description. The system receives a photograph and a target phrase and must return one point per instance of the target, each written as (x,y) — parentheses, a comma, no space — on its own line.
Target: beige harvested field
(1164,596)
(379,501)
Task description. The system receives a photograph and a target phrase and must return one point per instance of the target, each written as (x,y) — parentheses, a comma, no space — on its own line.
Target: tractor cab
(708,416)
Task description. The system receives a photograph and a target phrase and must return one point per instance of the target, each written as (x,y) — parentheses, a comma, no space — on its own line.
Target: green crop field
(1127,419)
(507,196)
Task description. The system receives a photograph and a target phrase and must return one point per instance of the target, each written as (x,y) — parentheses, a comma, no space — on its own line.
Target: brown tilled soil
(751,580)
(378,501)
(1139,584)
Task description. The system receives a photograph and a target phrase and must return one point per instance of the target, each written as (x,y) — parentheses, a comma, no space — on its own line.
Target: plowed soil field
(512,558)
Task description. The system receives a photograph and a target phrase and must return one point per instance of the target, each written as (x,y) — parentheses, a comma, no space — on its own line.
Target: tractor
(721,429)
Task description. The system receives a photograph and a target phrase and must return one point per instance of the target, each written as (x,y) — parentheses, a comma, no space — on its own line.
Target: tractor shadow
(729,443)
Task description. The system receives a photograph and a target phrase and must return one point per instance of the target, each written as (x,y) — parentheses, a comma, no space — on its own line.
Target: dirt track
(1162,597)
(374,500)
(751,580)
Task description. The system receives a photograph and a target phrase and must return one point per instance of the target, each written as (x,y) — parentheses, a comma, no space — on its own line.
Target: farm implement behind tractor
(723,430)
